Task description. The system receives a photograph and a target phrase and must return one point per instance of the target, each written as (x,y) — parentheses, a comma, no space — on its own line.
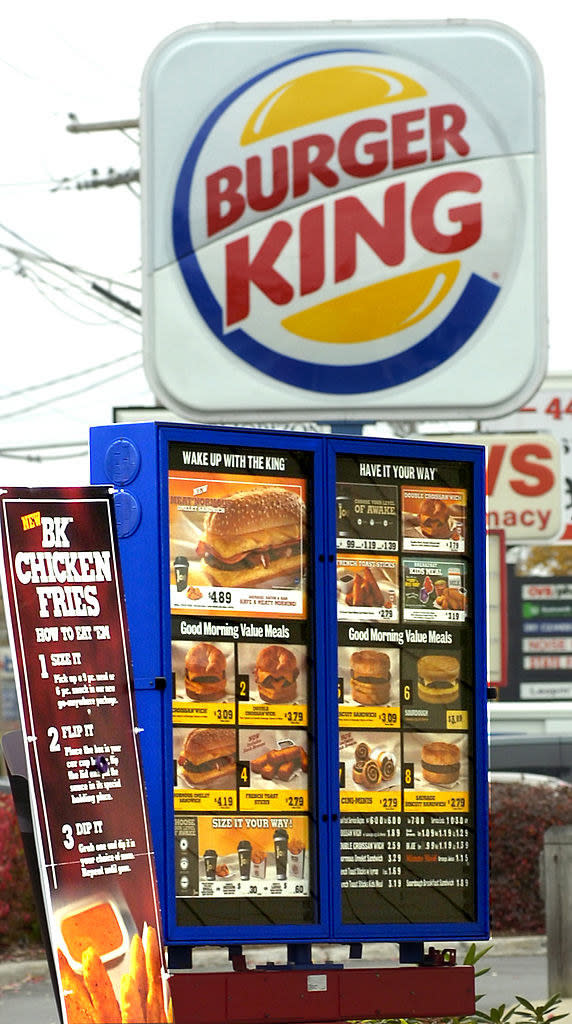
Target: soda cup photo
(244,850)
(181,567)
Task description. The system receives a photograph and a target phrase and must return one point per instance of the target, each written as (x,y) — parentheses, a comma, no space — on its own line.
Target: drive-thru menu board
(71,656)
(239,527)
(323,727)
(405,689)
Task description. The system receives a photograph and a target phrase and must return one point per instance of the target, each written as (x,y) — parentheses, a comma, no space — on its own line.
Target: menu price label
(62,593)
(205,800)
(383,718)
(278,714)
(429,801)
(373,801)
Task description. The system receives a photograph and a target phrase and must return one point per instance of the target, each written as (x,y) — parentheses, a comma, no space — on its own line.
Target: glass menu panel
(405,690)
(242,676)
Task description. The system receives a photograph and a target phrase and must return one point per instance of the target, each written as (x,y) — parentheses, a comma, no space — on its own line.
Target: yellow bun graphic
(326,93)
(378,309)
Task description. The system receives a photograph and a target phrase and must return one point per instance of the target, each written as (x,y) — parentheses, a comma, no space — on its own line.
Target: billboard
(549,411)
(343,221)
(524,492)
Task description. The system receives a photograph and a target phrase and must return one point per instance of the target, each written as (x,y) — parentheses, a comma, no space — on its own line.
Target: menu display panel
(240,529)
(406,690)
(323,726)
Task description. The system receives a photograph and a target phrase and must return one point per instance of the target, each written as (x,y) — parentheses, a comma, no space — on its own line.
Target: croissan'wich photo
(255,537)
(440,763)
(208,758)
(276,673)
(370,677)
(205,672)
(435,518)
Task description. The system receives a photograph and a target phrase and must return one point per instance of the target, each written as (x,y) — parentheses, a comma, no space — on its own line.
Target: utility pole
(113,177)
(76,127)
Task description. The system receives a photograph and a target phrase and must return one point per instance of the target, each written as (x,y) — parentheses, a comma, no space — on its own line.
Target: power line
(87,286)
(29,453)
(71,267)
(43,286)
(115,298)
(68,377)
(70,394)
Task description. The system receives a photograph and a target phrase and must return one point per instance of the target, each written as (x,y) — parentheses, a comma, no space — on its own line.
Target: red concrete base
(321,996)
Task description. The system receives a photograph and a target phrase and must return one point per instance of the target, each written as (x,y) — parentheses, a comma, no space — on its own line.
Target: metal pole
(558,907)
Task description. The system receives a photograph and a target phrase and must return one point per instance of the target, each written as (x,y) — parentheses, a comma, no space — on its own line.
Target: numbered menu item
(368,587)
(273,770)
(436,679)
(237,524)
(368,686)
(435,771)
(367,517)
(434,590)
(272,684)
(235,857)
(434,518)
(370,765)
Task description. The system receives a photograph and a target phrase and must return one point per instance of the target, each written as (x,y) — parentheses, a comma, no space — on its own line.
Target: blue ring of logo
(427,354)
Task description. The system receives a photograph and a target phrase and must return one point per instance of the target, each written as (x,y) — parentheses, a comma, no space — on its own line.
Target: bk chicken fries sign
(344,220)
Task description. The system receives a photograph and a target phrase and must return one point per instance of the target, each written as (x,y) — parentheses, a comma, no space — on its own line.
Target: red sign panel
(64,602)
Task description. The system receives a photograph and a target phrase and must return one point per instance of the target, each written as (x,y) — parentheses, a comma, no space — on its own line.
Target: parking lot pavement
(516,967)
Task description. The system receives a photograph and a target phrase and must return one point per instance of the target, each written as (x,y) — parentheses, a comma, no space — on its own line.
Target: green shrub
(18,919)
(520,815)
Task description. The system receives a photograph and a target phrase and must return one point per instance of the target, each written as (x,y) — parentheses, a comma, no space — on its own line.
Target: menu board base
(328,996)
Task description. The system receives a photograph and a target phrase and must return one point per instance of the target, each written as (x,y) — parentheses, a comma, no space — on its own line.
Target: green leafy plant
(522,1012)
(541,1012)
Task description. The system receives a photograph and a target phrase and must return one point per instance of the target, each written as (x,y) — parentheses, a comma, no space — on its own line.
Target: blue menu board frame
(135,459)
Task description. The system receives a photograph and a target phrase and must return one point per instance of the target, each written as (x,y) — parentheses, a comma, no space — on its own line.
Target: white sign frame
(198,374)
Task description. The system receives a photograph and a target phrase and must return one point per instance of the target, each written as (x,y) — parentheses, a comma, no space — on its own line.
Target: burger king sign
(343,222)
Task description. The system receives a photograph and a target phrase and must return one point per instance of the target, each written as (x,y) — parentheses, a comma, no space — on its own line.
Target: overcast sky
(70,358)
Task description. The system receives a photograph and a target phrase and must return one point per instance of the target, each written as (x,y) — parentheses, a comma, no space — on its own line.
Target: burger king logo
(346,221)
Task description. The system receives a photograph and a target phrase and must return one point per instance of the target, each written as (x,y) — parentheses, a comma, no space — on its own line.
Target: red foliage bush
(18,919)
(520,815)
